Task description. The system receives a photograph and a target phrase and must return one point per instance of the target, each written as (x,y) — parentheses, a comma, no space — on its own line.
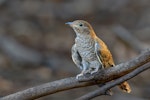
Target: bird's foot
(79,75)
(82,74)
(94,70)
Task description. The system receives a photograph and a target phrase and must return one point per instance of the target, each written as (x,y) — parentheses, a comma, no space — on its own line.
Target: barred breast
(85,47)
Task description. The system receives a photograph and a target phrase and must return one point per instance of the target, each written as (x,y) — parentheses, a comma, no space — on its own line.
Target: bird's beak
(69,23)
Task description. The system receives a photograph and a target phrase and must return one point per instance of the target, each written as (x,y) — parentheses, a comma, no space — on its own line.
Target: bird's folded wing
(103,54)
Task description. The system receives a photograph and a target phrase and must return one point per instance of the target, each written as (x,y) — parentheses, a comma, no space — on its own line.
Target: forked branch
(102,90)
(102,76)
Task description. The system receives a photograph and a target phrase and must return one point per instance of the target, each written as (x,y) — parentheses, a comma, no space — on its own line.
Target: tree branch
(102,76)
(102,90)
(119,70)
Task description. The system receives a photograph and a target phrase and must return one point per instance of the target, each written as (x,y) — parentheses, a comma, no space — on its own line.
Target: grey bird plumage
(84,53)
(90,53)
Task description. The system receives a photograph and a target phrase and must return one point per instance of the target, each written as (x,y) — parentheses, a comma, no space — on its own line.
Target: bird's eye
(81,25)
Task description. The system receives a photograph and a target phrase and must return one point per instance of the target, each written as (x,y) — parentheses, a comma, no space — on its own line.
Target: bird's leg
(94,67)
(79,75)
(84,69)
(95,70)
(81,68)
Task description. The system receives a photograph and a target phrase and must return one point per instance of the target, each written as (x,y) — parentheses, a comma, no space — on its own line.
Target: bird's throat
(84,41)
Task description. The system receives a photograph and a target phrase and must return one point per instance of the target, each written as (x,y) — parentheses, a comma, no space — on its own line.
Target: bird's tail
(125,87)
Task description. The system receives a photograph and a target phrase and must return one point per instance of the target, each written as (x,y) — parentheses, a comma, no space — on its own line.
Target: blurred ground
(35,43)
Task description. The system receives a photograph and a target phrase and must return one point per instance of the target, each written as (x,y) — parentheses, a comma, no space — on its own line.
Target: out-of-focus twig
(128,38)
(2,2)
(18,52)
(21,54)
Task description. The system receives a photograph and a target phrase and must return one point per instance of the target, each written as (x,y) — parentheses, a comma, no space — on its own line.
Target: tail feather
(125,87)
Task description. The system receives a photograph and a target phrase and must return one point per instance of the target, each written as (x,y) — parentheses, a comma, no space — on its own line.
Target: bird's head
(81,27)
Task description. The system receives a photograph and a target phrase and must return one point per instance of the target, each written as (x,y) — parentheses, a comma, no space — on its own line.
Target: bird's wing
(76,57)
(97,51)
(103,53)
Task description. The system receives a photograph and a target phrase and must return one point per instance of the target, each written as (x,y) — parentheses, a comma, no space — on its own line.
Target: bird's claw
(79,75)
(94,71)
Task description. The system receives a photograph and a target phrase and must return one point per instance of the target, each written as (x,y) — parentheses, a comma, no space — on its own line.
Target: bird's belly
(86,48)
(87,53)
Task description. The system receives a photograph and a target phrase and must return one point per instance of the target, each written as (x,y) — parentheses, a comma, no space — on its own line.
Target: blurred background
(35,43)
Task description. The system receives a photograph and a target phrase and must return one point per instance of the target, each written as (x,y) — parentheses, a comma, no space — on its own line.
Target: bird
(90,53)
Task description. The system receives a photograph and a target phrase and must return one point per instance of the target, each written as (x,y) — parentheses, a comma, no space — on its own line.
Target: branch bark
(102,76)
(102,90)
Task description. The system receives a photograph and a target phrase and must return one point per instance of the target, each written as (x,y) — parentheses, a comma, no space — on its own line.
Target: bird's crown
(81,27)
